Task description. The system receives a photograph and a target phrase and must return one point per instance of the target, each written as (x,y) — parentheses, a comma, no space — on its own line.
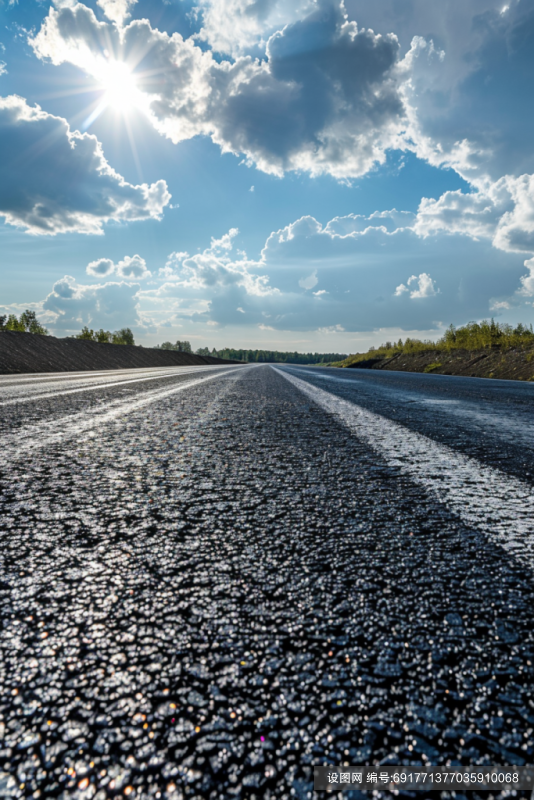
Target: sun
(121,93)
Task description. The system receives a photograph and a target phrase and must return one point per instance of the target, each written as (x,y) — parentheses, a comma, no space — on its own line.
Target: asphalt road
(213,579)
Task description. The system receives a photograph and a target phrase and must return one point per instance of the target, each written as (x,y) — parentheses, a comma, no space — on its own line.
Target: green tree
(181,347)
(123,336)
(86,333)
(27,323)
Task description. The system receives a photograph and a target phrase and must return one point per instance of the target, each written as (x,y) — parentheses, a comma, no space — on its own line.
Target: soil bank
(27,352)
(513,364)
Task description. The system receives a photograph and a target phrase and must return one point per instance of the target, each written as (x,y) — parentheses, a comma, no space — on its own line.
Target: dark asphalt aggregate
(224,588)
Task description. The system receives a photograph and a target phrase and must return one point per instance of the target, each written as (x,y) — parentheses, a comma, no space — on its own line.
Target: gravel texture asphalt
(209,584)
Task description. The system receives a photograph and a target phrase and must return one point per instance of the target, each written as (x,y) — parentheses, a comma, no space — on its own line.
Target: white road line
(497,423)
(486,498)
(105,385)
(27,440)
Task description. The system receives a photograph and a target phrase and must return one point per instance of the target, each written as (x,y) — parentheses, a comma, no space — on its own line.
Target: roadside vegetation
(26,323)
(473,336)
(264,356)
(123,336)
(178,346)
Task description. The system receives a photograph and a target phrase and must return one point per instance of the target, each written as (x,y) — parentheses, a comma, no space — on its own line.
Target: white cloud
(110,305)
(116,10)
(515,230)
(527,281)
(235,26)
(474,215)
(214,267)
(354,258)
(3,68)
(502,212)
(309,282)
(133,267)
(100,267)
(332,329)
(332,107)
(40,156)
(425,286)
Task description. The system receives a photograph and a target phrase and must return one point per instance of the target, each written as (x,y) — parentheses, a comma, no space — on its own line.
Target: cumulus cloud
(56,180)
(132,267)
(310,281)
(515,230)
(354,259)
(116,10)
(503,212)
(100,267)
(331,329)
(425,287)
(215,267)
(527,281)
(463,62)
(327,98)
(236,26)
(109,305)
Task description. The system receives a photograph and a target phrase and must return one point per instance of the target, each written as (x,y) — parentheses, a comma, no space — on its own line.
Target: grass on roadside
(473,336)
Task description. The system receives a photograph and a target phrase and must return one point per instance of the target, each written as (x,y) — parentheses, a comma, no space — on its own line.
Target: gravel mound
(26,352)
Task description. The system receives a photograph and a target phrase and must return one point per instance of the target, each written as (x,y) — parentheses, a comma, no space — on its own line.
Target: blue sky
(294,174)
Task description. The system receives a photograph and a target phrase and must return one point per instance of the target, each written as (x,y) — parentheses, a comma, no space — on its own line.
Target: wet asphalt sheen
(205,592)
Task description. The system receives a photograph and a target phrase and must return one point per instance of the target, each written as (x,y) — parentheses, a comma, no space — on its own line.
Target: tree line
(266,356)
(122,336)
(473,336)
(26,323)
(180,347)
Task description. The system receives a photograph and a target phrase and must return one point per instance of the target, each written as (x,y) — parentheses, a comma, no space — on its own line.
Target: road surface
(214,578)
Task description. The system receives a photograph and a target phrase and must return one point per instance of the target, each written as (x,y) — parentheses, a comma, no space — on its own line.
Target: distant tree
(31,323)
(86,333)
(181,347)
(3,320)
(27,323)
(263,356)
(123,336)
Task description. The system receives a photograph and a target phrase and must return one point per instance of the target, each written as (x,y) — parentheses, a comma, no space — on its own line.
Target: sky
(287,174)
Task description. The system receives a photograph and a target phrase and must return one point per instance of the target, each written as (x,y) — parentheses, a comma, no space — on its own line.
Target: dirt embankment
(492,363)
(27,352)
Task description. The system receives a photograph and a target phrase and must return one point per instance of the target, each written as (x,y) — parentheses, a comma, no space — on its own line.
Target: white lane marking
(498,424)
(103,385)
(36,377)
(29,379)
(486,498)
(33,437)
